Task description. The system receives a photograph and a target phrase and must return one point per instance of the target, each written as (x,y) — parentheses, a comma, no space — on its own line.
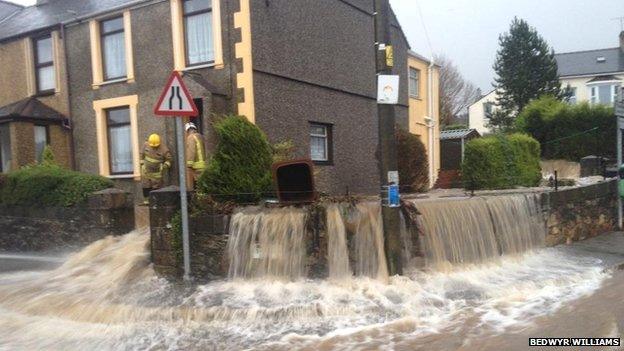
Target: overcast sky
(467,30)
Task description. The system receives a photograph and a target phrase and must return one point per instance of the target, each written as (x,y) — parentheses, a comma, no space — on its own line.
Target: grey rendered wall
(315,61)
(153,62)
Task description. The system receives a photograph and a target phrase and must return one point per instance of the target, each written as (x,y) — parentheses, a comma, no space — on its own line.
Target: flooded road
(107,297)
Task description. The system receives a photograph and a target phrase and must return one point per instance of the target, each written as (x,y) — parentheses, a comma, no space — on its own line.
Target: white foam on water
(107,297)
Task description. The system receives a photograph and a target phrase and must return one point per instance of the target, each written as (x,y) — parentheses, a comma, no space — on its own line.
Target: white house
(592,75)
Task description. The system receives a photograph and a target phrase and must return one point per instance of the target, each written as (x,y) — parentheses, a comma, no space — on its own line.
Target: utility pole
(387,141)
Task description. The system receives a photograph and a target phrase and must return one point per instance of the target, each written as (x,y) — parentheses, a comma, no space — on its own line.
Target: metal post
(556,181)
(619,163)
(387,142)
(183,198)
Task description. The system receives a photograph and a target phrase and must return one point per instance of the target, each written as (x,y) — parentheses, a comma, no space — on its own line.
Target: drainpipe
(72,154)
(431,124)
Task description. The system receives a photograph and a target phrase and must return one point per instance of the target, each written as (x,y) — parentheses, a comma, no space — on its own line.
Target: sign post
(619,114)
(175,101)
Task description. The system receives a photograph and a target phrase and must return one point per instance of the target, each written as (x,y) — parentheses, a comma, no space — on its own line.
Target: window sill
(113,81)
(206,65)
(323,163)
(121,176)
(415,98)
(45,93)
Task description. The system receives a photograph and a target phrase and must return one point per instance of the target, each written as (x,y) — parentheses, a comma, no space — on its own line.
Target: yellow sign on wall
(389,56)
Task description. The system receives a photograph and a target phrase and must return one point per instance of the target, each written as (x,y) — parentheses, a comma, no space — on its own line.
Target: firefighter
(195,154)
(155,162)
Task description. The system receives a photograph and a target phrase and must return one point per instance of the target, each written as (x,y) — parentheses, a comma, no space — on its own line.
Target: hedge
(240,169)
(48,184)
(501,162)
(567,131)
(413,165)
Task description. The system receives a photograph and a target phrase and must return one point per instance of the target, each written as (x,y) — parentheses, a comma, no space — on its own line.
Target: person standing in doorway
(155,162)
(195,155)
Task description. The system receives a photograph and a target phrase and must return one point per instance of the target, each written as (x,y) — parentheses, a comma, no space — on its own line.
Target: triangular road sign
(175,99)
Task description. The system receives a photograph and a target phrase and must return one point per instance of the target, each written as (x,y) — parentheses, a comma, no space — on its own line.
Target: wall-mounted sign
(388,89)
(389,56)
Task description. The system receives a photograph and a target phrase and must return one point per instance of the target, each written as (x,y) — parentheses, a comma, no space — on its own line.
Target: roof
(585,62)
(8,8)
(607,78)
(458,134)
(420,57)
(30,109)
(38,17)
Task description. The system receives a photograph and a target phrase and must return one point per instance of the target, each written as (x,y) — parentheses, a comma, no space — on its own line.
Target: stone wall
(108,212)
(579,213)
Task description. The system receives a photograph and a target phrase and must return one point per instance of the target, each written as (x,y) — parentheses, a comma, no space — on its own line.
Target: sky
(467,31)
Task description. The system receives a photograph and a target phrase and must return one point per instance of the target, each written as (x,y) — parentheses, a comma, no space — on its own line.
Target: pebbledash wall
(58,229)
(570,214)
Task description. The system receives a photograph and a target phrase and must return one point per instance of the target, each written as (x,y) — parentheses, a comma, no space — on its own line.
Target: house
(479,111)
(591,75)
(424,107)
(301,70)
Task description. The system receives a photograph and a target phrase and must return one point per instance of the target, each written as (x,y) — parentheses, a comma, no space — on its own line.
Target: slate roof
(458,134)
(8,8)
(585,62)
(30,109)
(34,18)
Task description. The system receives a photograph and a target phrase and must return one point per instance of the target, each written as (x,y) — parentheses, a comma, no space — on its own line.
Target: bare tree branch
(456,93)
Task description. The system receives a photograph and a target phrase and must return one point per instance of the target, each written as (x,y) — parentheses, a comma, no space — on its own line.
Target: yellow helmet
(154,140)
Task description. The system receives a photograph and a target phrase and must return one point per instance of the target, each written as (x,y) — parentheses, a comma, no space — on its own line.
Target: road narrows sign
(175,100)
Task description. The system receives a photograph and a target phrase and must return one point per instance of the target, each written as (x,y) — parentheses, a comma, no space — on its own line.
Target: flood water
(107,297)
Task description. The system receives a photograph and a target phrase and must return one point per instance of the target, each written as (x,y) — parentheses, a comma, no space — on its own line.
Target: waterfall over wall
(267,243)
(337,250)
(476,229)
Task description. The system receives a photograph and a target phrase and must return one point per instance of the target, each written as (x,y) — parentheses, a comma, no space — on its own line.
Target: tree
(456,93)
(413,164)
(500,121)
(525,67)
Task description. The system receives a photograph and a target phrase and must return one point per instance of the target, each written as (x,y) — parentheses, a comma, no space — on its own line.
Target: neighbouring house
(452,147)
(424,108)
(34,97)
(592,76)
(479,111)
(309,81)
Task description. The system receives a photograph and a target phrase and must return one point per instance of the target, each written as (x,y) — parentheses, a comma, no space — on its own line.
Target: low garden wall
(32,228)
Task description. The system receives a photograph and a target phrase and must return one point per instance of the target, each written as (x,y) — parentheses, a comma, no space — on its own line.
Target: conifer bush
(413,164)
(240,169)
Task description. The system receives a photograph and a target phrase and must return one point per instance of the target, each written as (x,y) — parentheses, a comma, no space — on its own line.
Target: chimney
(622,41)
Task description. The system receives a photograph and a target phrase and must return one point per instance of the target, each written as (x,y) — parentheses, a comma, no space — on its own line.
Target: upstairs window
(113,44)
(44,64)
(488,108)
(198,34)
(119,141)
(603,94)
(414,82)
(572,98)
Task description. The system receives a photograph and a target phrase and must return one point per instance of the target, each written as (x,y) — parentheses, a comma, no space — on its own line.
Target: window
(572,98)
(5,148)
(42,138)
(44,64)
(119,141)
(603,94)
(414,82)
(488,108)
(320,142)
(198,34)
(113,48)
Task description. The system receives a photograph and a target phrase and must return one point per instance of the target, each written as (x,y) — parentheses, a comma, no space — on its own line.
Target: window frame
(8,135)
(103,35)
(108,140)
(47,139)
(39,66)
(417,85)
(185,37)
(329,144)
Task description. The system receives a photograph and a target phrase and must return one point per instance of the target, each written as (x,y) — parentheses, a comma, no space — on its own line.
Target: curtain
(120,149)
(199,42)
(5,148)
(46,78)
(114,48)
(317,148)
(41,140)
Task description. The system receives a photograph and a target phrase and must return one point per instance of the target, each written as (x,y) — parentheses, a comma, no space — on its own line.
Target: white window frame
(594,91)
(97,59)
(325,137)
(415,95)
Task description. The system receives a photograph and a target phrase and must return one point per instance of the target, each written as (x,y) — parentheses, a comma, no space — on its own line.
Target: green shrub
(47,157)
(413,165)
(569,132)
(240,170)
(49,185)
(501,162)
(284,151)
